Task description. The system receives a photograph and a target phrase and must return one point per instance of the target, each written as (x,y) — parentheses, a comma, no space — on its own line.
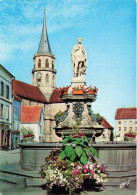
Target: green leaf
(62,155)
(83,160)
(87,151)
(75,142)
(79,163)
(76,139)
(85,139)
(68,150)
(94,152)
(69,163)
(73,156)
(84,154)
(65,141)
(78,150)
(81,143)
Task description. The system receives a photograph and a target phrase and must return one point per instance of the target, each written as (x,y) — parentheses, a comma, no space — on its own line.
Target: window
(125,128)
(7,112)
(53,80)
(47,78)
(119,129)
(1,111)
(47,63)
(2,89)
(136,128)
(130,128)
(119,122)
(39,63)
(52,65)
(7,91)
(38,82)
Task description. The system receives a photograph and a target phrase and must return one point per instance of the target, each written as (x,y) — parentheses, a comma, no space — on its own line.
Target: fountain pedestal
(79,112)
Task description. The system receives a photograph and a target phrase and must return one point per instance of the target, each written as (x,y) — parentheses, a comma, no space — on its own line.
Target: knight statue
(79,59)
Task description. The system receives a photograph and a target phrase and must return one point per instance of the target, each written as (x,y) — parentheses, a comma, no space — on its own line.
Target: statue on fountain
(79,59)
(79,104)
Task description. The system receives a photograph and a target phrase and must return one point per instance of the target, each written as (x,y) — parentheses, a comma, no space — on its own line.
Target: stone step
(19,181)
(35,182)
(15,174)
(122,173)
(16,170)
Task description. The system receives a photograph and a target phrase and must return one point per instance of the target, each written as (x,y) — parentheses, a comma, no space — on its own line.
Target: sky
(108,31)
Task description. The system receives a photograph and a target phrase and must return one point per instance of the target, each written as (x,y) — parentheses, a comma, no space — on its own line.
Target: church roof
(25,90)
(55,97)
(105,123)
(44,46)
(126,113)
(30,114)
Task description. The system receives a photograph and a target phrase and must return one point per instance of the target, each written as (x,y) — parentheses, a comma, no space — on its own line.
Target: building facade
(107,135)
(16,111)
(5,108)
(125,121)
(32,118)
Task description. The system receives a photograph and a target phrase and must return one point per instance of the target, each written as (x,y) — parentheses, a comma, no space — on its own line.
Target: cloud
(21,22)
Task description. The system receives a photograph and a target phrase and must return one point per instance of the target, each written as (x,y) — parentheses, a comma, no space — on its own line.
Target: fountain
(120,158)
(78,99)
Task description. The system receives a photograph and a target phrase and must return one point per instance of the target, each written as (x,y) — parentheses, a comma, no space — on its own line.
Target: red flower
(130,135)
(75,164)
(26,135)
(77,135)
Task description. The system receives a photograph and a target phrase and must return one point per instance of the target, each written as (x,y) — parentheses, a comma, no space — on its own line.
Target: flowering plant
(93,89)
(78,88)
(63,90)
(130,135)
(70,166)
(15,132)
(28,137)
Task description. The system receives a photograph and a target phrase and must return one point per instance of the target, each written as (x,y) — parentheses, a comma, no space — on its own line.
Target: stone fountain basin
(117,156)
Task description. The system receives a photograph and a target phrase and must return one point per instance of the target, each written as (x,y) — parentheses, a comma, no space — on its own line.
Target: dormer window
(39,63)
(52,65)
(47,78)
(47,63)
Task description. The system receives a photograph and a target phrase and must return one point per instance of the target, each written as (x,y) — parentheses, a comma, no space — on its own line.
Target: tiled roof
(16,97)
(126,113)
(30,114)
(55,97)
(28,91)
(106,124)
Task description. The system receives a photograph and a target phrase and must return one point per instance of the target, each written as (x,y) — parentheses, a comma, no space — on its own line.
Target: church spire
(44,46)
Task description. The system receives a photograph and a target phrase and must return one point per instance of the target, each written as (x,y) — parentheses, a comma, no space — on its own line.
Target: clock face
(38,75)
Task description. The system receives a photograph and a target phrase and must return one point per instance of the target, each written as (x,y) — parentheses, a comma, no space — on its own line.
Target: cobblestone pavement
(13,156)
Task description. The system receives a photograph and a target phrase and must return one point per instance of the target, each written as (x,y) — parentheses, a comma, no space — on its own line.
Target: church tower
(44,73)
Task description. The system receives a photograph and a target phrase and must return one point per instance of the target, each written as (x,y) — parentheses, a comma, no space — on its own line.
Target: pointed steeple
(44,46)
